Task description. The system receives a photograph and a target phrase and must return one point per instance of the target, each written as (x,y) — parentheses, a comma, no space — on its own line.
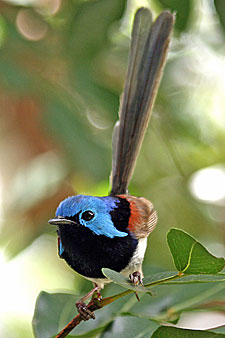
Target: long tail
(149,46)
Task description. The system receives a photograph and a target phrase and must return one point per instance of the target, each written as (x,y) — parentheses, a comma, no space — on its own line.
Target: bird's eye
(87,215)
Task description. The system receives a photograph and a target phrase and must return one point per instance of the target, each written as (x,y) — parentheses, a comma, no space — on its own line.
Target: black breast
(87,253)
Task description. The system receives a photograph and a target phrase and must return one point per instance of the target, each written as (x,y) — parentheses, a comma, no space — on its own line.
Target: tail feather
(149,46)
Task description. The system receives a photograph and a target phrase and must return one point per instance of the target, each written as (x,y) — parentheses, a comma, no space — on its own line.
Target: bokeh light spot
(209,184)
(30,25)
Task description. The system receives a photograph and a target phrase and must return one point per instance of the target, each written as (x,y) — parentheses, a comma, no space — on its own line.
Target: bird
(111,231)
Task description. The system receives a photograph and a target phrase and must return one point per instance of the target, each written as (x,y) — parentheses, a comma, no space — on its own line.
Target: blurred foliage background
(62,66)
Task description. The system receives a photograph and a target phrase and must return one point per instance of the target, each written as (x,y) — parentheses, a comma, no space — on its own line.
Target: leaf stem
(161,281)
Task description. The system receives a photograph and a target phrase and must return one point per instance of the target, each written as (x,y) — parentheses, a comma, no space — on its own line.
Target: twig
(75,321)
(69,327)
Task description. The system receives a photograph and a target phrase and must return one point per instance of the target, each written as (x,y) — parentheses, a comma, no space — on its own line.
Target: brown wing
(143,218)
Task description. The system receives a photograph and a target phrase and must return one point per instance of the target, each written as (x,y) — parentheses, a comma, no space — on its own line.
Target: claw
(136,278)
(82,308)
(85,313)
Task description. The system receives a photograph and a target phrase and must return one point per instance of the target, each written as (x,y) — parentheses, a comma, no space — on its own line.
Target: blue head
(92,212)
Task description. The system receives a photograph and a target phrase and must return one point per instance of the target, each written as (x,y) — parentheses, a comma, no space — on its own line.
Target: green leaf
(191,257)
(52,313)
(220,9)
(132,327)
(173,332)
(161,277)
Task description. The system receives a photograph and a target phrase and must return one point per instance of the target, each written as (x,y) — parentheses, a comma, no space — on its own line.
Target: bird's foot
(136,278)
(83,310)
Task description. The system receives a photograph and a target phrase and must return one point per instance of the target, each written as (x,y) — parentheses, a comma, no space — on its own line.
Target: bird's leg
(85,313)
(96,294)
(136,279)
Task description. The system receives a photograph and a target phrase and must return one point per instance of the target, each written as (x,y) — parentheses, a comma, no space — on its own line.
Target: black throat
(87,253)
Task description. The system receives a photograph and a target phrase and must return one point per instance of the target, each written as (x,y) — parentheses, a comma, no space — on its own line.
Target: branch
(96,304)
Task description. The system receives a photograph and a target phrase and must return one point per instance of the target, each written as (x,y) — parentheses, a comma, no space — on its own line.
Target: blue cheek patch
(103,225)
(60,247)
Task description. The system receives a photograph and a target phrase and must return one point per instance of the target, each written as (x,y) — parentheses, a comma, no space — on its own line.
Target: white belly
(136,261)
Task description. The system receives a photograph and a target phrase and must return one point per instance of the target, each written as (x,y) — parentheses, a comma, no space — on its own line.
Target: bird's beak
(60,221)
